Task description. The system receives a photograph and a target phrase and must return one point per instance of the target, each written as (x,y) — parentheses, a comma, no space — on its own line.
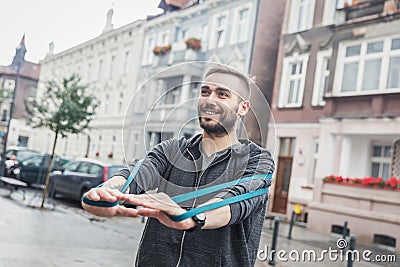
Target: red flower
(193,43)
(339,179)
(392,182)
(162,50)
(97,154)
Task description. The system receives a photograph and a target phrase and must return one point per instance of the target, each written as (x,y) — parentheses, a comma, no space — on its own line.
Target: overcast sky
(64,22)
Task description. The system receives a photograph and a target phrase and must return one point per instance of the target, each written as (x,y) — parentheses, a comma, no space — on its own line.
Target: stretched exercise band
(191,195)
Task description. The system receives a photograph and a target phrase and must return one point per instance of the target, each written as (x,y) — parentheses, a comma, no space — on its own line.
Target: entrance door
(283,174)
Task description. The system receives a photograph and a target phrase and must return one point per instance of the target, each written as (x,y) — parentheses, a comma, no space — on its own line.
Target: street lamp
(17,65)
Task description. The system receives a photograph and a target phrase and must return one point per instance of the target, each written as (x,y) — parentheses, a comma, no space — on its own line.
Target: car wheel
(83,191)
(52,190)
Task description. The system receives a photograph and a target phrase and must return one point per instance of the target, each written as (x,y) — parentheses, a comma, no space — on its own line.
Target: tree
(65,107)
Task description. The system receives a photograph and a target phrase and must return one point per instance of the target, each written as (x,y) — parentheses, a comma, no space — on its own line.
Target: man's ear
(244,107)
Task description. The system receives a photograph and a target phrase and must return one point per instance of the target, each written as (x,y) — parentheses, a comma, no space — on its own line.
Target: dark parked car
(77,177)
(13,157)
(33,170)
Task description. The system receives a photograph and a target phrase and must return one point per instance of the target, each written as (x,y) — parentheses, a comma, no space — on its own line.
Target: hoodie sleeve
(258,163)
(152,170)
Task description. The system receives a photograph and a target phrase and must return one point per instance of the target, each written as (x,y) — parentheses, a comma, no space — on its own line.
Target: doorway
(284,171)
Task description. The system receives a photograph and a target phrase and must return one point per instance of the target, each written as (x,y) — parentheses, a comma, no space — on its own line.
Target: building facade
(172,67)
(108,65)
(335,105)
(143,100)
(23,84)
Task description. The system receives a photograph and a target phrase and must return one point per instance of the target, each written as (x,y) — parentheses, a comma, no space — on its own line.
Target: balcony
(363,106)
(369,211)
(360,9)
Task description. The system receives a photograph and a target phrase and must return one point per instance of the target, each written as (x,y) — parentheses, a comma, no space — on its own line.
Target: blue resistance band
(191,195)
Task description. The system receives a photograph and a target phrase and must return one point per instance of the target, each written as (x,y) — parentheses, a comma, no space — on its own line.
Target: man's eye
(223,94)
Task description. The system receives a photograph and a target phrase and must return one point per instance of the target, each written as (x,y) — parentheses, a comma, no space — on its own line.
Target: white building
(166,105)
(108,64)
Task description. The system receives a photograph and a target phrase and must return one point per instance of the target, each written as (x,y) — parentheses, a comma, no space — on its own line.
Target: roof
(29,70)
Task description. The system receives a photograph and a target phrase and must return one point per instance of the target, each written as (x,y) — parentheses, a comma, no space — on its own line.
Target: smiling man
(226,236)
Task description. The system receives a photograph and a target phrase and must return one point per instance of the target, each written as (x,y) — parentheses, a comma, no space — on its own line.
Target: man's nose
(212,98)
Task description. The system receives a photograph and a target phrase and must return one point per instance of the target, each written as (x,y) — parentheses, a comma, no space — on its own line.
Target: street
(65,236)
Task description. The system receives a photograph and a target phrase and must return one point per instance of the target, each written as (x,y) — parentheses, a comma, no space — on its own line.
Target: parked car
(33,169)
(77,177)
(13,157)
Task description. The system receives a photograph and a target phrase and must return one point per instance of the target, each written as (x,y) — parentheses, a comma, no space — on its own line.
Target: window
(106,102)
(96,170)
(292,81)
(155,138)
(314,160)
(321,77)
(100,71)
(120,103)
(112,66)
(4,115)
(219,31)
(240,29)
(204,33)
(33,161)
(126,62)
(89,72)
(301,15)
(72,167)
(381,161)
(163,39)
(172,96)
(372,66)
(183,34)
(171,90)
(135,143)
(148,50)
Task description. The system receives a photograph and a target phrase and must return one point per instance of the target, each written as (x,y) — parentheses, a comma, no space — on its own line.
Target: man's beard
(226,124)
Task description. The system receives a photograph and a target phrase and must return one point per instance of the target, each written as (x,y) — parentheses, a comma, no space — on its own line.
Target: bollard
(291,225)
(352,247)
(344,231)
(271,260)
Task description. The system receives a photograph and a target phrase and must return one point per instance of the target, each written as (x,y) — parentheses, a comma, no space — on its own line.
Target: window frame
(149,44)
(285,81)
(216,29)
(237,22)
(384,56)
(320,75)
(381,159)
(293,25)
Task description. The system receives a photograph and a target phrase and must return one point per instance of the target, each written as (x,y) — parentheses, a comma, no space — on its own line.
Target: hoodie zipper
(199,175)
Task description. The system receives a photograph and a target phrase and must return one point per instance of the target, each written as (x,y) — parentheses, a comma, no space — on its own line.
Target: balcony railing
(364,9)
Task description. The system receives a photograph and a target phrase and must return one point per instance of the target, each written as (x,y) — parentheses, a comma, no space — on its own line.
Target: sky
(65,22)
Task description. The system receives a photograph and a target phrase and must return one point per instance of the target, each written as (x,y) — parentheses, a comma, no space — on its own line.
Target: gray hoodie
(178,166)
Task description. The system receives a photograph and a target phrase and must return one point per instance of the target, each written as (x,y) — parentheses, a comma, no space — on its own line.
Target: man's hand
(109,195)
(159,206)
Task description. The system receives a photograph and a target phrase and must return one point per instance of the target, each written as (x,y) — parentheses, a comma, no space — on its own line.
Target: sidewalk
(304,241)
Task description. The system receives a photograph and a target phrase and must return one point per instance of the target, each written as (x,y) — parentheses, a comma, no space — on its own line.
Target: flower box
(161,50)
(371,182)
(193,43)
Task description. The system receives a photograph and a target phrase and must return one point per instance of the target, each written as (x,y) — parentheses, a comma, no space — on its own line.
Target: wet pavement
(63,234)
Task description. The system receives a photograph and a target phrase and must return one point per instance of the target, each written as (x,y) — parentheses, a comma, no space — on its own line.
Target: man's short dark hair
(219,68)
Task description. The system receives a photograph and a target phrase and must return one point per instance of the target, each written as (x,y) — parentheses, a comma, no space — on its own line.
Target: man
(226,236)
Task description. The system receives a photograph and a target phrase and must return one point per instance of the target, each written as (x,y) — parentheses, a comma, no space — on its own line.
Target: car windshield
(22,154)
